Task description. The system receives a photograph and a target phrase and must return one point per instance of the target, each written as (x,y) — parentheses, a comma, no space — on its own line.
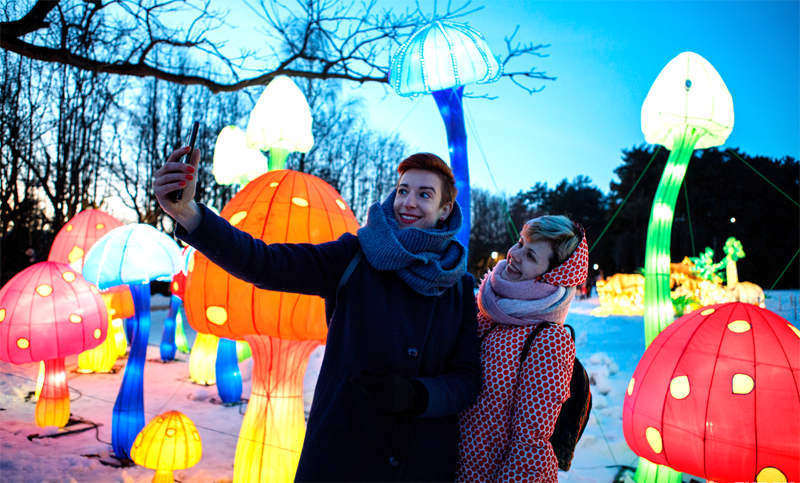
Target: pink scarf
(522,303)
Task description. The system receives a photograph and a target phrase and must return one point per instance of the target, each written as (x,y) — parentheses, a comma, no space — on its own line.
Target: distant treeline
(719,188)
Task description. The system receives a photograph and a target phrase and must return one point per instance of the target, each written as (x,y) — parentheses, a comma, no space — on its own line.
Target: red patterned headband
(574,270)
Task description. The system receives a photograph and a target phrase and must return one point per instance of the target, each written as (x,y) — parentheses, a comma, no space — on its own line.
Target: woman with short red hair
(401,357)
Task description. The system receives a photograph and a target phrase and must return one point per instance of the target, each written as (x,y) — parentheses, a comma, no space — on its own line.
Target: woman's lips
(408,219)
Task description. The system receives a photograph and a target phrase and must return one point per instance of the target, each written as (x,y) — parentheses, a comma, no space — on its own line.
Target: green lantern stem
(180,335)
(658,311)
(277,158)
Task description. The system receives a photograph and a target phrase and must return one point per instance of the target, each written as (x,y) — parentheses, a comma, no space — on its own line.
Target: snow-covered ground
(608,347)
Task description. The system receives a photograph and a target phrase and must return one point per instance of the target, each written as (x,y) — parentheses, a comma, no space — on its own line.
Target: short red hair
(435,164)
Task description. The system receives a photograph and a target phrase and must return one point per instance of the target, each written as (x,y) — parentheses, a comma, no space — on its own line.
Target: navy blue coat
(380,323)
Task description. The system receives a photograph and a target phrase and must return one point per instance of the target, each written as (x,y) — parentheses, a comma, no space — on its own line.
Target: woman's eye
(425,195)
(402,191)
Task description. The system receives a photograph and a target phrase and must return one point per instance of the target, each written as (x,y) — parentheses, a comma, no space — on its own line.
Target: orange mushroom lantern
(48,312)
(281,328)
(717,395)
(71,245)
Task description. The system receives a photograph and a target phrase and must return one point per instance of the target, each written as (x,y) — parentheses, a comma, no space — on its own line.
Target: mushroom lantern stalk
(688,107)
(132,255)
(439,58)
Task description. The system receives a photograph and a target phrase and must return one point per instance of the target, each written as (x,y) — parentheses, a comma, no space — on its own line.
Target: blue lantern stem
(128,418)
(229,379)
(452,111)
(168,346)
(129,323)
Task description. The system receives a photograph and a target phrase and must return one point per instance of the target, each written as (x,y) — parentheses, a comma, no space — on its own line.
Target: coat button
(412,352)
(393,462)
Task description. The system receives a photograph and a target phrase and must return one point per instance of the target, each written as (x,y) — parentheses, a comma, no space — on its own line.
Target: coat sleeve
(457,388)
(543,387)
(285,267)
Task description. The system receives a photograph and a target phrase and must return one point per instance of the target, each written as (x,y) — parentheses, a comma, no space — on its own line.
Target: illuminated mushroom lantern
(280,122)
(688,107)
(282,329)
(70,246)
(48,312)
(132,255)
(172,337)
(169,442)
(440,58)
(234,162)
(717,395)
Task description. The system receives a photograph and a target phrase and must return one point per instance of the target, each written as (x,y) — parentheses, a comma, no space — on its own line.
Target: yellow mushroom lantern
(280,122)
(169,442)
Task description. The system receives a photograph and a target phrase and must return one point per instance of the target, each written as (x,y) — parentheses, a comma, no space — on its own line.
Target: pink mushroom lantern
(48,312)
(717,395)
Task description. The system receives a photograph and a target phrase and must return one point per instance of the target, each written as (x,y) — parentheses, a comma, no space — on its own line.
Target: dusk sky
(605,56)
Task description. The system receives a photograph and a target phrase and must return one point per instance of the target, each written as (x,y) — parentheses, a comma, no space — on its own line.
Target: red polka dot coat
(505,434)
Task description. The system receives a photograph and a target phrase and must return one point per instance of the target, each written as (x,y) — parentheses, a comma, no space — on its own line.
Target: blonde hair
(563,236)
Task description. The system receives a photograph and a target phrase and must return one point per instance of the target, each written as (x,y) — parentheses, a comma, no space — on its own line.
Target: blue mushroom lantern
(132,255)
(440,58)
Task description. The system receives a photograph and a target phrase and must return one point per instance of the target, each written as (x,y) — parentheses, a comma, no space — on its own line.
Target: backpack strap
(571,331)
(529,340)
(491,328)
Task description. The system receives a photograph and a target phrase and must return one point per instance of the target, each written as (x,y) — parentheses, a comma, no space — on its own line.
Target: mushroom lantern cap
(48,311)
(688,92)
(279,207)
(75,239)
(170,441)
(717,395)
(136,253)
(281,119)
(440,55)
(234,162)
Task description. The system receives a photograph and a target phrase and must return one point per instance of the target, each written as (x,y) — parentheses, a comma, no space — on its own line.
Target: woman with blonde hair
(505,434)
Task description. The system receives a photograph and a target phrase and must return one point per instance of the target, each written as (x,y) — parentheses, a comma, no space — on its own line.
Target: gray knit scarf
(429,261)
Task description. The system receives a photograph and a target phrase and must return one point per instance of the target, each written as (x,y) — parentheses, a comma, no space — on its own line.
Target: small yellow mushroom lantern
(280,122)
(169,442)
(234,162)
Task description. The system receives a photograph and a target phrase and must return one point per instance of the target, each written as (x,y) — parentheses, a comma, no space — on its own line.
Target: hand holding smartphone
(178,195)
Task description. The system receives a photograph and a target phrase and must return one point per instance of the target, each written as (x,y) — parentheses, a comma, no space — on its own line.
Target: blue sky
(605,56)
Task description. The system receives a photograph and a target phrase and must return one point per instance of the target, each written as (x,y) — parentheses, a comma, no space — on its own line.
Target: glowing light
(341,204)
(75,254)
(654,439)
(2,315)
(44,290)
(237,217)
(771,475)
(739,326)
(679,387)
(97,333)
(742,384)
(273,184)
(733,220)
(495,255)
(75,319)
(707,312)
(23,343)
(68,276)
(99,226)
(217,315)
(630,386)
(440,55)
(300,201)
(794,329)
(596,266)
(69,227)
(280,122)
(175,286)
(234,162)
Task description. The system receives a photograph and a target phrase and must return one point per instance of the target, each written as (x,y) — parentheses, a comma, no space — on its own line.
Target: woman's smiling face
(527,260)
(419,194)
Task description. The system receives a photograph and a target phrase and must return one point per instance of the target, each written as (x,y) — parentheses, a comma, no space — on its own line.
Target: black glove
(392,394)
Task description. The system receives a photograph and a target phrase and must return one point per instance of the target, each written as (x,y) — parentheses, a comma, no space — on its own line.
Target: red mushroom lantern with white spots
(49,312)
(282,329)
(717,395)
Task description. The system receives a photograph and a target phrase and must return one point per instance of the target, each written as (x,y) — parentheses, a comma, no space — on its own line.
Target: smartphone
(187,158)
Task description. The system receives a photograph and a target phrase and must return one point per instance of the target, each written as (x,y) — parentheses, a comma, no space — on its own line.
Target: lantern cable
(764,177)
(406,116)
(688,216)
(625,200)
(604,437)
(471,124)
(784,271)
